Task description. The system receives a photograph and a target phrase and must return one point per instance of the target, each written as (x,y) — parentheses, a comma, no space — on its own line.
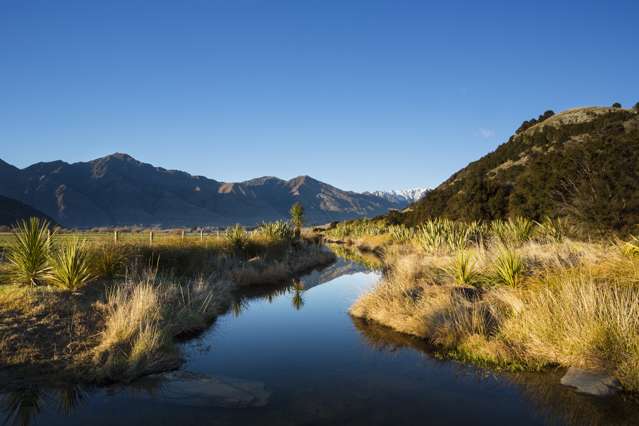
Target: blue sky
(363,94)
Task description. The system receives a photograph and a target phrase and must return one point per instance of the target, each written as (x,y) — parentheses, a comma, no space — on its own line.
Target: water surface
(321,367)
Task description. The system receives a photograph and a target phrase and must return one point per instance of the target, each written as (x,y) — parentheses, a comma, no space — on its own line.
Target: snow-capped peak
(403,197)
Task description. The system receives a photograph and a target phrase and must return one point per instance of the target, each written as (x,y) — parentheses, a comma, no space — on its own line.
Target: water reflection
(297,300)
(558,404)
(22,405)
(295,287)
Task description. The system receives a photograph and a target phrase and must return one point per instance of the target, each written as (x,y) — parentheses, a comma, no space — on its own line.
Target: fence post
(183,235)
(150,237)
(115,237)
(201,235)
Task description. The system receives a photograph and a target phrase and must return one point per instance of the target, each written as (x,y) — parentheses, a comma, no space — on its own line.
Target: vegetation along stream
(292,355)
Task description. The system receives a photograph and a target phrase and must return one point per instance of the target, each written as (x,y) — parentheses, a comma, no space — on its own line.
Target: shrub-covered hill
(12,211)
(582,163)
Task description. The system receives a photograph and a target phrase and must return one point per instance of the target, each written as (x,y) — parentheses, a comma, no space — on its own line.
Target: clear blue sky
(363,94)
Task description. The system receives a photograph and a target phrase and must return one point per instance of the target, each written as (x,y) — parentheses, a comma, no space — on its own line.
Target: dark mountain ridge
(118,190)
(13,211)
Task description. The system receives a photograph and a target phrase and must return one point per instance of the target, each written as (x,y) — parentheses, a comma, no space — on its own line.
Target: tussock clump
(108,260)
(144,315)
(574,319)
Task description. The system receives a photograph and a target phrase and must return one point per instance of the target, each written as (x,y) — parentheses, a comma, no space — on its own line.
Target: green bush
(513,232)
(276,232)
(464,269)
(441,235)
(509,267)
(237,238)
(28,254)
(553,230)
(401,233)
(70,265)
(108,260)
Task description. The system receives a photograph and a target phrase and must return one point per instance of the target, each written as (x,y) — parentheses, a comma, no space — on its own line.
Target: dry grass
(144,315)
(131,328)
(577,305)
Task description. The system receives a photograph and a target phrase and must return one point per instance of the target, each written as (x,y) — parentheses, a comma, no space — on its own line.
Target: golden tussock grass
(575,304)
(143,316)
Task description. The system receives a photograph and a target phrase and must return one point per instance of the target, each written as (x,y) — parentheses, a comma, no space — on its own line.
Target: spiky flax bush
(70,265)
(28,253)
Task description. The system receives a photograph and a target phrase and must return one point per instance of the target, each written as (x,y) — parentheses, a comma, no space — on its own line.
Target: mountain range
(118,190)
(582,164)
(403,197)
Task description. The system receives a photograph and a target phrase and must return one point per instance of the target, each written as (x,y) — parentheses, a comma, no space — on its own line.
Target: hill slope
(582,163)
(11,211)
(119,190)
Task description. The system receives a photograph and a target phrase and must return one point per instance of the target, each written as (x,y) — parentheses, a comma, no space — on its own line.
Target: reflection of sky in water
(322,367)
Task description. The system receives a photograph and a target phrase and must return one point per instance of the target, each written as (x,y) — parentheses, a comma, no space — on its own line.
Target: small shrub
(237,238)
(28,253)
(552,230)
(358,229)
(440,235)
(509,267)
(276,232)
(400,233)
(297,218)
(431,236)
(513,232)
(70,266)
(631,248)
(616,105)
(108,261)
(464,269)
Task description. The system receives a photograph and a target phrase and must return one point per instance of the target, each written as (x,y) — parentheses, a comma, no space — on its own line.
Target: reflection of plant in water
(69,398)
(298,289)
(238,306)
(553,400)
(385,339)
(369,260)
(22,405)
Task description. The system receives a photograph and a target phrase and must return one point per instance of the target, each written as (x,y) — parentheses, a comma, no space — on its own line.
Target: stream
(293,356)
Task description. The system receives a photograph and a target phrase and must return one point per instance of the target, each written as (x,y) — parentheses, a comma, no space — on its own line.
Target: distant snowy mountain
(401,198)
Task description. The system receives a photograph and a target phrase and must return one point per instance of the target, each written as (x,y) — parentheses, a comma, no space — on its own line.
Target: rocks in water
(591,382)
(199,390)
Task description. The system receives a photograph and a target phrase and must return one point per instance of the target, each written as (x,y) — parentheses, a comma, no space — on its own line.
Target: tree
(616,105)
(297,218)
(637,106)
